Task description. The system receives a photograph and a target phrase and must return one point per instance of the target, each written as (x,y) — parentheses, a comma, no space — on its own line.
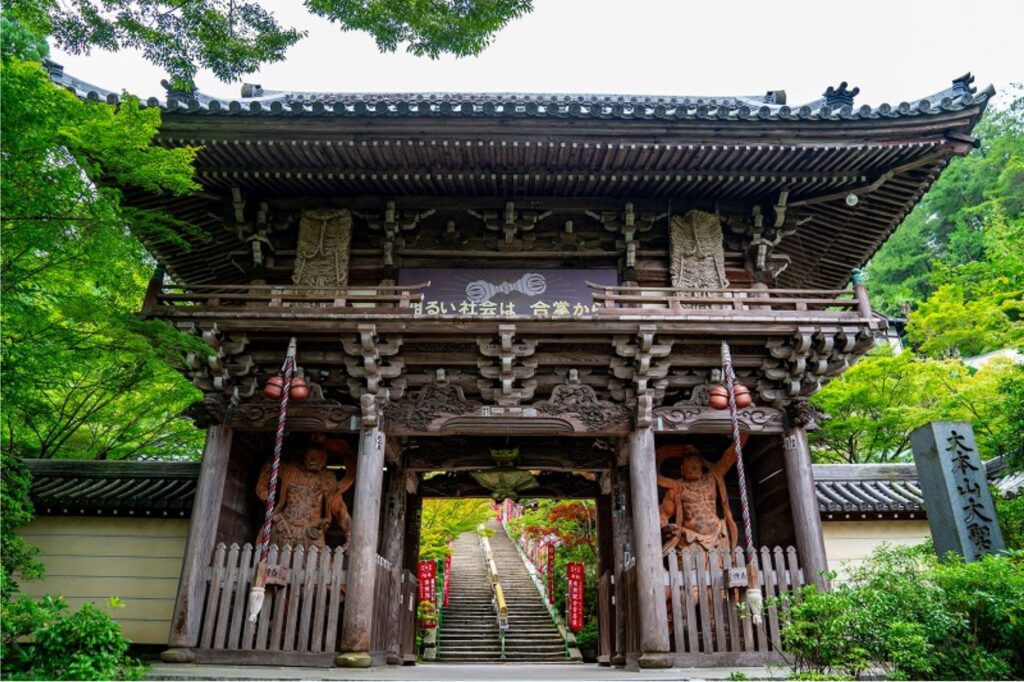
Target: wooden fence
(407,618)
(618,300)
(709,623)
(379,635)
(299,621)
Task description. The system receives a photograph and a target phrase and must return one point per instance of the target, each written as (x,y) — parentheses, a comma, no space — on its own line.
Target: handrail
(498,594)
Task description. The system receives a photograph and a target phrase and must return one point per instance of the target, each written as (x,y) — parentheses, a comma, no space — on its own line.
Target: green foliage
(443,520)
(575,523)
(588,636)
(84,645)
(83,377)
(913,617)
(1011,433)
(977,306)
(1010,513)
(16,554)
(234,38)
(873,407)
(949,227)
(429,28)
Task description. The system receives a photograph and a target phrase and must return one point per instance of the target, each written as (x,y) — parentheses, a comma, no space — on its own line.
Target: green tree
(16,554)
(233,37)
(575,524)
(443,520)
(872,408)
(978,306)
(81,373)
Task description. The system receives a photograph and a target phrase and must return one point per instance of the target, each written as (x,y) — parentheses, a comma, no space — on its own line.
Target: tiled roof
(74,487)
(836,104)
(856,491)
(849,490)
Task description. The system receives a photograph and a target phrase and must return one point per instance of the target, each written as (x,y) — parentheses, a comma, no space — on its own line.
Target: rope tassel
(755,600)
(259,589)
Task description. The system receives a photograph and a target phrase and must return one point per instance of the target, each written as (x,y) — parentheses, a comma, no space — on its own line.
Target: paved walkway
(438,672)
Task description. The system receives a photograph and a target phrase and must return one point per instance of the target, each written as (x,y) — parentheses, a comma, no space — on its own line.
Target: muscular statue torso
(693,504)
(690,510)
(309,497)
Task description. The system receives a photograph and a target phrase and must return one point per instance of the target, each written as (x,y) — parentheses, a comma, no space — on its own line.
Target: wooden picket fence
(381,597)
(299,621)
(407,618)
(709,622)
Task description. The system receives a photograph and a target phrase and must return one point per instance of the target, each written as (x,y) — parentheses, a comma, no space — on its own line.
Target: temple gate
(466,276)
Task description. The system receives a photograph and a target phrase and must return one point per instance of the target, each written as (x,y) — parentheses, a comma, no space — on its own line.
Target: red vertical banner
(575,595)
(427,577)
(551,574)
(428,581)
(447,578)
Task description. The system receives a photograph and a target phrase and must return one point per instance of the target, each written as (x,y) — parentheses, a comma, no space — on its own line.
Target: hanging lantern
(743,398)
(719,397)
(274,388)
(299,389)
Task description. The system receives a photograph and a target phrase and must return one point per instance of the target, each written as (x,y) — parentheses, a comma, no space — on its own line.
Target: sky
(894,50)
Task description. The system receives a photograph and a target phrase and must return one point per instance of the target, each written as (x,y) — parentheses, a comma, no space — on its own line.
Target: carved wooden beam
(701,419)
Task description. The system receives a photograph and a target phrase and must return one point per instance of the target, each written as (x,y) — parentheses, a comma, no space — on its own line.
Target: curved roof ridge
(836,104)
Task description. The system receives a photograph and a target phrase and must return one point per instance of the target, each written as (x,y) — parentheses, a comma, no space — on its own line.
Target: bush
(587,637)
(1010,512)
(912,617)
(84,645)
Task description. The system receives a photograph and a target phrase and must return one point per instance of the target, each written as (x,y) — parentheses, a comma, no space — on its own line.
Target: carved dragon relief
(578,400)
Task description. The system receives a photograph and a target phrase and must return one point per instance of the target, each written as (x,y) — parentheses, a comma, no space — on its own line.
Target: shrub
(1010,512)
(913,617)
(587,637)
(83,645)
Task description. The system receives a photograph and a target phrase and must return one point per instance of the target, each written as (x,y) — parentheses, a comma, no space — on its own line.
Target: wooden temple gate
(488,286)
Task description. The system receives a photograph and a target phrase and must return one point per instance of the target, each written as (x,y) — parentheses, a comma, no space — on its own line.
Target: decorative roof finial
(841,96)
(252,90)
(962,85)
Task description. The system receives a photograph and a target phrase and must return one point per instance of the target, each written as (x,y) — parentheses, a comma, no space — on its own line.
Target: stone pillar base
(178,656)
(353,659)
(655,660)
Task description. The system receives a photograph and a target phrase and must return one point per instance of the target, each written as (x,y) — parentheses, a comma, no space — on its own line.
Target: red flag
(447,578)
(575,595)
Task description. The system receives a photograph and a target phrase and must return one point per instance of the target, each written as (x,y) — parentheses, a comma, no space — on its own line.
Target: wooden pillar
(362,552)
(202,531)
(605,544)
(622,535)
(803,499)
(650,582)
(392,547)
(413,514)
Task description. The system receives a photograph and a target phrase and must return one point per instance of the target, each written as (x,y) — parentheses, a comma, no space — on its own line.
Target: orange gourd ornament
(274,388)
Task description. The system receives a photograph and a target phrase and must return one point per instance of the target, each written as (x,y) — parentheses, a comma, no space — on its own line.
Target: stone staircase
(469,628)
